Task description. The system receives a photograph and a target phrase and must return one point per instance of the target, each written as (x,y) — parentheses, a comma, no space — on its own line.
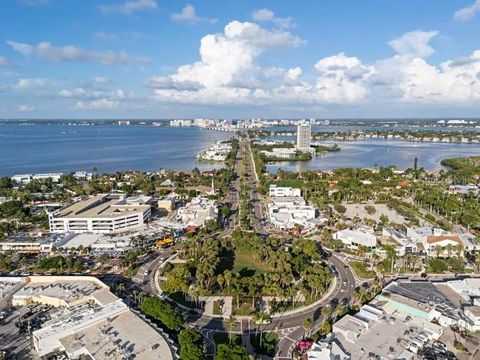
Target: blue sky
(233,59)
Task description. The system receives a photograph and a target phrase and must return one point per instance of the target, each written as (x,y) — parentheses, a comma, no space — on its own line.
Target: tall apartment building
(101,214)
(304,133)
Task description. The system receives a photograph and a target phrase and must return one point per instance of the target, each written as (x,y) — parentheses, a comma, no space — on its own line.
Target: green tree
(191,345)
(307,325)
(162,311)
(230,323)
(229,352)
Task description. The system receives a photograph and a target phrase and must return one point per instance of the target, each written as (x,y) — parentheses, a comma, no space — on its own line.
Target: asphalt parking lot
(14,335)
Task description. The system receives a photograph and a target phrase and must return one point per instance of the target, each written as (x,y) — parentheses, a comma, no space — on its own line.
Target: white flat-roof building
(464,189)
(55,177)
(281,191)
(22,178)
(88,321)
(285,217)
(105,213)
(287,212)
(280,153)
(356,238)
(198,211)
(405,244)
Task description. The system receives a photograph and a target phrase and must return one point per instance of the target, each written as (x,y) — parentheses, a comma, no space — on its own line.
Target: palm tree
(307,324)
(135,295)
(449,249)
(260,317)
(326,311)
(121,287)
(230,323)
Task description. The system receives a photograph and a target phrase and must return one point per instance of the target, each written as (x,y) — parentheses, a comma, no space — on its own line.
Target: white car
(263,322)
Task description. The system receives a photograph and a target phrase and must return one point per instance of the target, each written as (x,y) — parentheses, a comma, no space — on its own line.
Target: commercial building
(403,244)
(436,242)
(22,178)
(356,237)
(287,210)
(55,177)
(359,335)
(85,320)
(104,213)
(279,191)
(197,212)
(280,153)
(464,189)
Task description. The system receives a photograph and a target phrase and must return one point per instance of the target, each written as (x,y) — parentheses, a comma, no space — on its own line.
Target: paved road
(288,326)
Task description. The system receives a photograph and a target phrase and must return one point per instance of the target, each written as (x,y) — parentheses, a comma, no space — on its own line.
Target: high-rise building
(303,136)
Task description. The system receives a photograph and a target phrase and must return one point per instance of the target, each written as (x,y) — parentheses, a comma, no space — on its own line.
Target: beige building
(88,321)
(104,213)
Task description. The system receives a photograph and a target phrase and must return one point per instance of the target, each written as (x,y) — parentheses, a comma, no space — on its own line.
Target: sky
(239,59)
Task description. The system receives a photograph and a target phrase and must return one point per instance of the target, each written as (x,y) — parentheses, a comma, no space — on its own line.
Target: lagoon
(376,153)
(42,148)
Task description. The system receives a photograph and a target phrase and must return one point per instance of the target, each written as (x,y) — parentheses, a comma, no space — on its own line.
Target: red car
(304,345)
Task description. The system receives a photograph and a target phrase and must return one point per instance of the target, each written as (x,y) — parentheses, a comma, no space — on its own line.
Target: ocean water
(376,153)
(64,148)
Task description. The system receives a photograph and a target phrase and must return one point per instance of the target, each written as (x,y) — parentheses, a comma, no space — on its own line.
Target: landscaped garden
(361,270)
(248,267)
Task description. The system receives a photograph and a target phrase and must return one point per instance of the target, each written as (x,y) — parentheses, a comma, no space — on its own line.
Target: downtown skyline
(153,59)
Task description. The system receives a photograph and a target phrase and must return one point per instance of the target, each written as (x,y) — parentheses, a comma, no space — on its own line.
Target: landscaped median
(244,274)
(361,271)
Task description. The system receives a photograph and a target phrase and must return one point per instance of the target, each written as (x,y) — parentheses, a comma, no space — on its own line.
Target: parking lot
(14,333)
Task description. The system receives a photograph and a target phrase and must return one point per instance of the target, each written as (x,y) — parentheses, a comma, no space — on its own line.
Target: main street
(288,326)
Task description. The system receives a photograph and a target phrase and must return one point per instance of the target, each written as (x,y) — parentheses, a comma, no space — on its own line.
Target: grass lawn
(269,343)
(246,265)
(178,297)
(244,309)
(360,270)
(217,308)
(222,338)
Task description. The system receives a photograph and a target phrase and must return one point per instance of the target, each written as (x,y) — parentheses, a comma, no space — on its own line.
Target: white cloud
(24,107)
(294,73)
(129,7)
(45,50)
(105,36)
(468,12)
(89,94)
(228,73)
(414,44)
(267,15)
(453,81)
(77,92)
(29,83)
(224,57)
(189,16)
(3,61)
(100,104)
(24,49)
(341,79)
(101,80)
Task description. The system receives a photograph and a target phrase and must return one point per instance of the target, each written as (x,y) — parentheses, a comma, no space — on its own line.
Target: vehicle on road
(440,346)
(263,321)
(164,242)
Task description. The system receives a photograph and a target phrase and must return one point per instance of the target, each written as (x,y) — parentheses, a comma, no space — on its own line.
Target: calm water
(371,153)
(49,148)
